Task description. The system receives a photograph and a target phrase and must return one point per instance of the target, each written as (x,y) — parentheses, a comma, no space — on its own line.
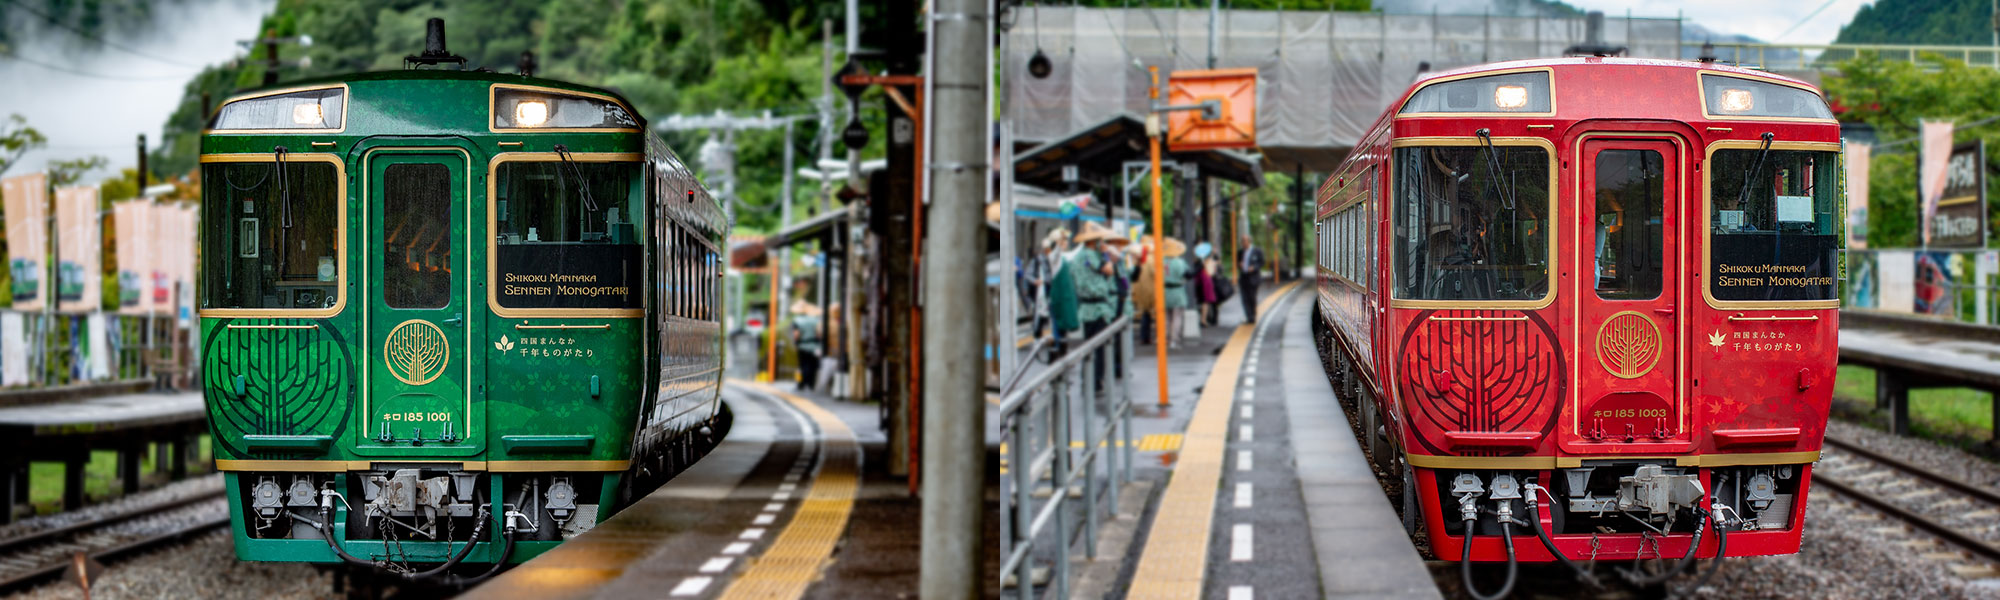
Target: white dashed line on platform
(1245,434)
(1239,543)
(774,507)
(786,487)
(736,548)
(1243,460)
(716,565)
(1248,410)
(751,533)
(691,586)
(1249,395)
(1249,382)
(1240,592)
(764,519)
(781,496)
(1243,495)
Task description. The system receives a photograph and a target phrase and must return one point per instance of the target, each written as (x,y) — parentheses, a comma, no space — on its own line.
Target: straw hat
(1093,232)
(1174,247)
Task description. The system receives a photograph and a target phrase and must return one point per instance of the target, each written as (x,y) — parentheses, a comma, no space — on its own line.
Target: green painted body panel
(323,388)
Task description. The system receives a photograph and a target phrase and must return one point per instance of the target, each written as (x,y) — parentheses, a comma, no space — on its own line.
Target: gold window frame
(1701,97)
(346,107)
(493,244)
(1554,221)
(493,102)
(1708,233)
(1399,114)
(339,236)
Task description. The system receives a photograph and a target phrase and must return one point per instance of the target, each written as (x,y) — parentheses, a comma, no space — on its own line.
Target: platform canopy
(1323,77)
(1101,149)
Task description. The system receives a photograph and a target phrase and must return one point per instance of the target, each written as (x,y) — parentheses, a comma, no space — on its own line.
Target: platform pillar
(179,469)
(1893,393)
(162,457)
(73,480)
(10,490)
(128,467)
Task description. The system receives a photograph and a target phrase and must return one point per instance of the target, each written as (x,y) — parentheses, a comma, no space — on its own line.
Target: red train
(1589,305)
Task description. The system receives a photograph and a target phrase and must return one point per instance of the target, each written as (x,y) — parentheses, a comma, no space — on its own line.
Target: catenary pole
(954,273)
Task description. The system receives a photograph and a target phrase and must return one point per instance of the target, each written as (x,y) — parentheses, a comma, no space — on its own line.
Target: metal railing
(1808,57)
(1039,429)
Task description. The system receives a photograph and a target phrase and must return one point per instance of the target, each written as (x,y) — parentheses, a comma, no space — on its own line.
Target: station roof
(1100,152)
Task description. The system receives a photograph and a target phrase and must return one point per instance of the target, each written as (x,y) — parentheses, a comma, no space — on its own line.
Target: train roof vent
(434,52)
(1593,39)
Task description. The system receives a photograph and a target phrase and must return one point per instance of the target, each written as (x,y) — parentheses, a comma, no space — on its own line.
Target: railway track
(37,558)
(1963,516)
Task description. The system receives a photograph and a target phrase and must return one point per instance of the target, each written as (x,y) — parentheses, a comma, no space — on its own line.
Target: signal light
(531,113)
(1737,100)
(1510,96)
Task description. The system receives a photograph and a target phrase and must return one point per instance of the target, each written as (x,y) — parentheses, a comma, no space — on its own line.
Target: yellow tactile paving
(802,551)
(1176,555)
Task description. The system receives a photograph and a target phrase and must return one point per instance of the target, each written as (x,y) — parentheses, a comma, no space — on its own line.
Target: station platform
(1265,494)
(794,503)
(1911,352)
(67,432)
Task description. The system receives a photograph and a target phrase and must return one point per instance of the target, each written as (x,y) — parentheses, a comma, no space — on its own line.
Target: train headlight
(1737,100)
(308,114)
(1509,97)
(531,113)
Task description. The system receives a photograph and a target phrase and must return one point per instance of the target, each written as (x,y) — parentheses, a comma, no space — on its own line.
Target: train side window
(1629,191)
(1466,231)
(416,249)
(255,259)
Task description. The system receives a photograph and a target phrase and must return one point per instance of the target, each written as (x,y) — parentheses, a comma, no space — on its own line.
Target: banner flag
(79,273)
(27,206)
(1857,194)
(133,220)
(1934,154)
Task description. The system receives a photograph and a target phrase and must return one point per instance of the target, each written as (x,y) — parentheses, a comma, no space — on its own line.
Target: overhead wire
(93,37)
(74,72)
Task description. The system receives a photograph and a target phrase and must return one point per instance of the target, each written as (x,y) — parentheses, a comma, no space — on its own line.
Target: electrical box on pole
(1228,118)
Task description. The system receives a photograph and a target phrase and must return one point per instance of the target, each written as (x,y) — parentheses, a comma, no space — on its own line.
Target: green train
(449,317)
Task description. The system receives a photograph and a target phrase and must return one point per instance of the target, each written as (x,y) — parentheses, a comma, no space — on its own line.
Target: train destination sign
(1960,218)
(1773,266)
(579,275)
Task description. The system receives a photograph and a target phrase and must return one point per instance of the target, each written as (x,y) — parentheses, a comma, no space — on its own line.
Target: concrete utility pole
(954,415)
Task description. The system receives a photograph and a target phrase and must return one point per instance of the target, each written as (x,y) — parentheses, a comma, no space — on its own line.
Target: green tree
(64,173)
(16,139)
(1892,97)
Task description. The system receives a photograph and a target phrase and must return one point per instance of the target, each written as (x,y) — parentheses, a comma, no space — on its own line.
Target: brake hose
(1535,522)
(1721,552)
(1465,560)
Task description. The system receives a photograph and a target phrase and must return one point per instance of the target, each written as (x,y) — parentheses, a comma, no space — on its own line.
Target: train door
(417,390)
(1629,293)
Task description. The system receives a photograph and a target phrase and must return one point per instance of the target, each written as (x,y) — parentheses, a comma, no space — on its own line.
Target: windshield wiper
(1506,186)
(563,152)
(1756,168)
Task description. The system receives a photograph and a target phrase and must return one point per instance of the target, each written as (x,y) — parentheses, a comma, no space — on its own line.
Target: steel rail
(1978,493)
(1950,535)
(47,572)
(16,543)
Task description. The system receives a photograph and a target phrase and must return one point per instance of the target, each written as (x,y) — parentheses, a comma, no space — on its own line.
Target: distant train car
(449,317)
(1590,303)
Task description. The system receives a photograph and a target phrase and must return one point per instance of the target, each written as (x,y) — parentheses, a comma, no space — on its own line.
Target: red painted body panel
(1475,382)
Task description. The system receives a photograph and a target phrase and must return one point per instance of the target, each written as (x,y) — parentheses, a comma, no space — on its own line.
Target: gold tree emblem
(1628,344)
(416,352)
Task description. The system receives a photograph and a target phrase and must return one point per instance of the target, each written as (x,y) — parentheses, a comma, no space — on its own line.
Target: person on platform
(805,338)
(1062,304)
(1251,269)
(1204,279)
(1142,294)
(1176,289)
(1095,277)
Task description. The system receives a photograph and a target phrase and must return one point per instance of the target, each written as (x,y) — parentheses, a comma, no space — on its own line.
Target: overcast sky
(1767,20)
(98,101)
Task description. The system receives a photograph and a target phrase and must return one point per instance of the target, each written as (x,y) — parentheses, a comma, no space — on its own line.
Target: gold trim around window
(1701,96)
(492,243)
(1554,219)
(1708,234)
(493,99)
(1399,114)
(340,239)
(346,103)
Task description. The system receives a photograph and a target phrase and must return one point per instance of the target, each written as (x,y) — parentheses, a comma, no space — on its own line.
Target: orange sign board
(1236,125)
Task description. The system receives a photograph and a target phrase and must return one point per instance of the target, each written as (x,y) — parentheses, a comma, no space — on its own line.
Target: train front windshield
(1773,224)
(272,239)
(567,235)
(1471,223)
